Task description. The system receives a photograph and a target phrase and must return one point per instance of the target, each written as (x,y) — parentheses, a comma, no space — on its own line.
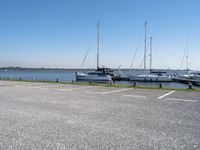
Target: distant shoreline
(43,68)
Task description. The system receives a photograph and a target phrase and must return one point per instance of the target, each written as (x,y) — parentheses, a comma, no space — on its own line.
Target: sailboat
(147,76)
(189,76)
(100,74)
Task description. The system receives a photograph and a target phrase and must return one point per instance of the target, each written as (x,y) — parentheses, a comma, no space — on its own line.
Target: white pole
(145,47)
(98,45)
(150,53)
(187,56)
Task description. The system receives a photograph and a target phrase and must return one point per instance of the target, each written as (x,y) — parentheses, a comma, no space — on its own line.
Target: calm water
(68,76)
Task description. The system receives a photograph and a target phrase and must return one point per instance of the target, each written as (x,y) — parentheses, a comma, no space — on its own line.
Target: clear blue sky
(56,33)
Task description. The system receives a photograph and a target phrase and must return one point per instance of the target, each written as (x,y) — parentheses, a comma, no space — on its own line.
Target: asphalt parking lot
(56,116)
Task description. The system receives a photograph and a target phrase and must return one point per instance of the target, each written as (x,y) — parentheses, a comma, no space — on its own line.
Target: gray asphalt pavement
(43,116)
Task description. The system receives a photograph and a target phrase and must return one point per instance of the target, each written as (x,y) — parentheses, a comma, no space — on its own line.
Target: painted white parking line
(57,88)
(38,87)
(79,88)
(115,91)
(90,92)
(17,86)
(136,96)
(166,94)
(64,90)
(33,87)
(53,102)
(108,92)
(72,89)
(183,100)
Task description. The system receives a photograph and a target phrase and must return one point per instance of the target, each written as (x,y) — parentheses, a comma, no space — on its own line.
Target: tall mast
(150,53)
(187,55)
(145,46)
(98,45)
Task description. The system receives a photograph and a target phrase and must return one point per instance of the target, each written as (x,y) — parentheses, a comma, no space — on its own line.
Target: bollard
(91,82)
(134,84)
(189,85)
(160,85)
(111,82)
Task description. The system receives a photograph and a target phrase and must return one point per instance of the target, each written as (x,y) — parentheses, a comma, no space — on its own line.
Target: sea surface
(67,75)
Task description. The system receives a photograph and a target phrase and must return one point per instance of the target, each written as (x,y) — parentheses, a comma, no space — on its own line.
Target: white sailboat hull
(86,77)
(190,76)
(149,78)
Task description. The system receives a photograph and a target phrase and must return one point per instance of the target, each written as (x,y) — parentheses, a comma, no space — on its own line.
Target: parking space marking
(64,90)
(38,87)
(136,96)
(183,100)
(166,94)
(79,88)
(90,92)
(115,91)
(72,89)
(17,86)
(53,87)
(108,92)
(53,102)
(33,87)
